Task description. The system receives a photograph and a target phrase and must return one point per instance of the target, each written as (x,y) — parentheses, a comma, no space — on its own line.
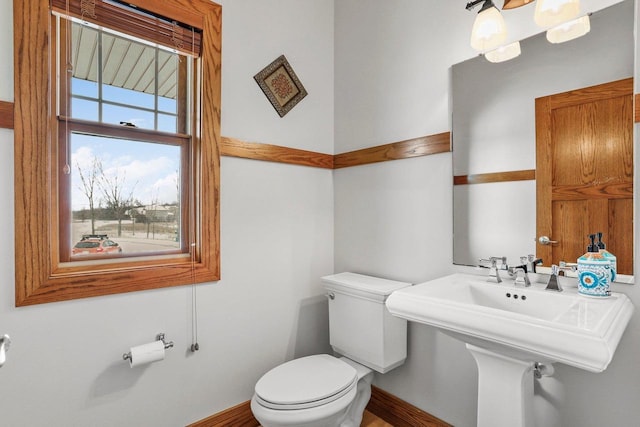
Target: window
(117,163)
(113,75)
(124,139)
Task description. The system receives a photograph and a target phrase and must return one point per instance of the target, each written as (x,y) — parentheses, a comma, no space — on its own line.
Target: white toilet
(327,391)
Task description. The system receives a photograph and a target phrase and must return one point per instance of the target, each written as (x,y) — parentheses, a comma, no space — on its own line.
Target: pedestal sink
(513,332)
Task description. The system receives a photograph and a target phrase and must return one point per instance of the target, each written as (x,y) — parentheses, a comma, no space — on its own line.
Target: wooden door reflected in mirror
(584,171)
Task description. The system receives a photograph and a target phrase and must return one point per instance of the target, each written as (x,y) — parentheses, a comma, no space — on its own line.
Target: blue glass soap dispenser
(594,272)
(602,248)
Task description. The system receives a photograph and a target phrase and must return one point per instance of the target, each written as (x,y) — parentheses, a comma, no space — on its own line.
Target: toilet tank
(360,326)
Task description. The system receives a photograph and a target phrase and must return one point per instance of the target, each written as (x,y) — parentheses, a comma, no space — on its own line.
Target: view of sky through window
(148,172)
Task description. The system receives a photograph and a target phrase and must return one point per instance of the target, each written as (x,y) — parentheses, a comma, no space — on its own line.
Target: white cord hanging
(194,302)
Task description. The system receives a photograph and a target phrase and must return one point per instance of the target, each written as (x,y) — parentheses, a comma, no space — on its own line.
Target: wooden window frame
(40,277)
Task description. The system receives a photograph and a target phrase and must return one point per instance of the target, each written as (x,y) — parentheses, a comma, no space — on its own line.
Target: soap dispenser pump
(602,248)
(594,272)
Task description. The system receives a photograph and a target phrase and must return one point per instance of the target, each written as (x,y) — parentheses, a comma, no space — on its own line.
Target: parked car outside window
(96,244)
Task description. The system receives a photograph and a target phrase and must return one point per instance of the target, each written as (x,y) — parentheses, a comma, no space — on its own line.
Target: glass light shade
(550,13)
(489,30)
(503,53)
(569,30)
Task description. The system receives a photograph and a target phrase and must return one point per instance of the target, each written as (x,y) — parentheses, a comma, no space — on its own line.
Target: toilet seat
(306,382)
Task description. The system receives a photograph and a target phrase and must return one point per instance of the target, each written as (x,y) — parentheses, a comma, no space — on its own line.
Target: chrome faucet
(494,274)
(558,270)
(531,261)
(520,273)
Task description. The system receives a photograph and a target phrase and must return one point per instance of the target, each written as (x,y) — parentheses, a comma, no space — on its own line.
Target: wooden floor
(370,420)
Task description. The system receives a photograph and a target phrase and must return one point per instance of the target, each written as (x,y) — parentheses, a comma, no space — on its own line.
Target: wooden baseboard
(384,405)
(399,413)
(238,416)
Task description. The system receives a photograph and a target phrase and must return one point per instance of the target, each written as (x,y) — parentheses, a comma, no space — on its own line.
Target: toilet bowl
(328,391)
(313,391)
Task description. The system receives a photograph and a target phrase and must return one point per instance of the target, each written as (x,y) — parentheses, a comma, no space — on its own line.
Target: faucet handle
(554,283)
(486,263)
(567,266)
(534,259)
(531,262)
(520,278)
(562,267)
(556,270)
(493,261)
(494,275)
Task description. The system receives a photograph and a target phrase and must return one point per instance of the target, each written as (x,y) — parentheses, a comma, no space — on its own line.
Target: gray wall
(394,219)
(65,367)
(391,68)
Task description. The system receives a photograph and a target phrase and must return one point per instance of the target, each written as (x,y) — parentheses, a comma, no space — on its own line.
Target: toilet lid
(306,382)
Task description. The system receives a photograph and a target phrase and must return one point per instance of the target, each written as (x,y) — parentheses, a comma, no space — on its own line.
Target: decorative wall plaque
(280,84)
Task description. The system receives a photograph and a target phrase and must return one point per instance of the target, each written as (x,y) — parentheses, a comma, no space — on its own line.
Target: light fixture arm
(472,4)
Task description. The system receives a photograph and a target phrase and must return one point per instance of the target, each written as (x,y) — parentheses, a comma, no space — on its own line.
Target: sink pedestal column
(505,389)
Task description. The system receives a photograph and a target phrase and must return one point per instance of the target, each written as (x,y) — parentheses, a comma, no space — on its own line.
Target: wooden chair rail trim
(382,404)
(233,147)
(423,146)
(484,178)
(6,115)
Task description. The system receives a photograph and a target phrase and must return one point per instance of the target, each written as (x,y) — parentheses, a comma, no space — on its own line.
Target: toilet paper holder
(159,337)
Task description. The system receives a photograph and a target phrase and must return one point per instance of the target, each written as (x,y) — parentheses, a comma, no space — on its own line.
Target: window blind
(134,22)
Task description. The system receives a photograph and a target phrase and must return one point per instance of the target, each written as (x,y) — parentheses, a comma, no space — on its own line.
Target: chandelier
(561,18)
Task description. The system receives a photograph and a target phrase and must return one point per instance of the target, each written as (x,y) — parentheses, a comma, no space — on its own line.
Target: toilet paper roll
(146,353)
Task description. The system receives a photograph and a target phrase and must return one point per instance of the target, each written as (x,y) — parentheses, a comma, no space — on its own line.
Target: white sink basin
(529,323)
(514,332)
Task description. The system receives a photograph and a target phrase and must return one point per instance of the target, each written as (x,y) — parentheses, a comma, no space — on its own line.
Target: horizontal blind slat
(134,23)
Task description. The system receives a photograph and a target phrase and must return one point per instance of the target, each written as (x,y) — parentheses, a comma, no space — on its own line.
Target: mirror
(493,128)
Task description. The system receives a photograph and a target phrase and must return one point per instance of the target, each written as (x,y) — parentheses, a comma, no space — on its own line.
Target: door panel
(584,171)
(621,233)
